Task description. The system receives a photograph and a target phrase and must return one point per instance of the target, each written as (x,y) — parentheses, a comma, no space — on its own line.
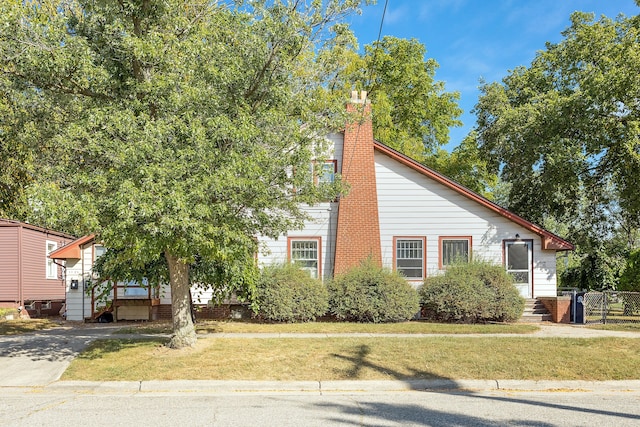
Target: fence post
(604,307)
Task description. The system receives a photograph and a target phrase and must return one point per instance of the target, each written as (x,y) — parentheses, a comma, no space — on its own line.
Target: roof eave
(73,249)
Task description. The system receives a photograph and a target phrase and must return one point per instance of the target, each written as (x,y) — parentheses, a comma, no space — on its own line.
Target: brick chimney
(358,230)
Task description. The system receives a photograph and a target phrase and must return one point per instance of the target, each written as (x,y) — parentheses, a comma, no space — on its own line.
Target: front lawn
(213,327)
(632,327)
(378,358)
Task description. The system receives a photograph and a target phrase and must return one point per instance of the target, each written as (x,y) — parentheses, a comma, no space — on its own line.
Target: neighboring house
(28,278)
(129,301)
(400,213)
(411,219)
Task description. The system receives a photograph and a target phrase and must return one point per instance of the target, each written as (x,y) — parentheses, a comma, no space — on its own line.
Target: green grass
(321,359)
(22,326)
(213,327)
(633,327)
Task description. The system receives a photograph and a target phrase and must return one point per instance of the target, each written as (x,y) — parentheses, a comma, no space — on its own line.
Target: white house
(400,213)
(413,220)
(129,301)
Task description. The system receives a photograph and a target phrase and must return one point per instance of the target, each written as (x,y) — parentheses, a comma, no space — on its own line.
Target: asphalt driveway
(40,358)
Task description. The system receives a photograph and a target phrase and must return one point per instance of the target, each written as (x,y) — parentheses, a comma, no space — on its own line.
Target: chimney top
(361,100)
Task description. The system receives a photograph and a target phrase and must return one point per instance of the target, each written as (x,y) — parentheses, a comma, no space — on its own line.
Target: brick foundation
(559,307)
(216,312)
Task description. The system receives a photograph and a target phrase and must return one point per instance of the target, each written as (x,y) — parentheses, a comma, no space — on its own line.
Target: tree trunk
(184,333)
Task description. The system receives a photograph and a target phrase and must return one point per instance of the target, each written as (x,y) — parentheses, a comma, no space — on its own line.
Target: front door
(518,260)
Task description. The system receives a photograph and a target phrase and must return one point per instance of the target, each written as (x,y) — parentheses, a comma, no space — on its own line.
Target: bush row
(367,293)
(471,293)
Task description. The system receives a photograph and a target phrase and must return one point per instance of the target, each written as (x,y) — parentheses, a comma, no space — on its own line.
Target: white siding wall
(323,222)
(412,204)
(78,302)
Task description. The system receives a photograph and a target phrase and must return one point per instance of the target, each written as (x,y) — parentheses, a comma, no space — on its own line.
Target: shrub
(285,293)
(472,292)
(369,293)
(630,278)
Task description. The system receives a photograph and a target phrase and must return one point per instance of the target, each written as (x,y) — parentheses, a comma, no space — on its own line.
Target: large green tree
(565,134)
(412,112)
(465,165)
(174,130)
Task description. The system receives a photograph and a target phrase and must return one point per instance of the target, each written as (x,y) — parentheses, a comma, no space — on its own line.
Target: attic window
(326,171)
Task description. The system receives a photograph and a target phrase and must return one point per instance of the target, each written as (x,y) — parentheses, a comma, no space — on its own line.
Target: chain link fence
(611,307)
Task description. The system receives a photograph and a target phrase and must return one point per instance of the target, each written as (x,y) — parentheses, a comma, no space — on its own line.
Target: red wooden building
(29,279)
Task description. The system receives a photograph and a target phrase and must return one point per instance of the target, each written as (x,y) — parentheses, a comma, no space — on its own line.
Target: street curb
(213,386)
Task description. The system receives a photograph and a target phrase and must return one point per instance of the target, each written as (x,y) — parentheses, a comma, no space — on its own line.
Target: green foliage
(466,166)
(567,126)
(412,112)
(630,278)
(169,128)
(368,293)
(596,268)
(472,292)
(286,293)
(564,133)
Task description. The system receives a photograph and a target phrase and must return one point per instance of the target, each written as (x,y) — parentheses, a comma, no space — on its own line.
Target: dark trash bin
(577,308)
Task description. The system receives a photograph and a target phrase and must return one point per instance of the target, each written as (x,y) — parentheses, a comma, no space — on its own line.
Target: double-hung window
(454,249)
(409,259)
(305,252)
(51,267)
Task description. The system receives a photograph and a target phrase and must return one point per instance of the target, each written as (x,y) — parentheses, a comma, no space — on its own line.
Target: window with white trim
(52,268)
(306,254)
(409,260)
(454,250)
(98,251)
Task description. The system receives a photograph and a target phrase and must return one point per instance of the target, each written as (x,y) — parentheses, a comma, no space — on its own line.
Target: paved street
(60,407)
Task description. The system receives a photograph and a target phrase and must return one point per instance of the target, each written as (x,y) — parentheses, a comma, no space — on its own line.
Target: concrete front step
(535,311)
(534,318)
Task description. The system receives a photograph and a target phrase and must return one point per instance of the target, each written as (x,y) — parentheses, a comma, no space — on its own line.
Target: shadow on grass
(359,362)
(17,327)
(101,348)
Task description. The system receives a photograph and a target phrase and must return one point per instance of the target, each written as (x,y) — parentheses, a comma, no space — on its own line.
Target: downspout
(64,272)
(332,236)
(20,284)
(82,291)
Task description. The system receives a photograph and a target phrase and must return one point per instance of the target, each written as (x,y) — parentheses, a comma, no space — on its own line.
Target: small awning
(72,250)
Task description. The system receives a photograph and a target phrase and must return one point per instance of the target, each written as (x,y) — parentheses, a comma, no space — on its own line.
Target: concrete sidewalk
(39,359)
(320,387)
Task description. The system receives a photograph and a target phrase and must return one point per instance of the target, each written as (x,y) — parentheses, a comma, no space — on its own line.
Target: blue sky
(474,39)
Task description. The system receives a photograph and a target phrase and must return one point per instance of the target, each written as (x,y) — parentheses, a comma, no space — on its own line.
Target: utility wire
(371,73)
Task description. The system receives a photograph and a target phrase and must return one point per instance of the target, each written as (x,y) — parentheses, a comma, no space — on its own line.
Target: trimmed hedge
(369,293)
(285,293)
(474,292)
